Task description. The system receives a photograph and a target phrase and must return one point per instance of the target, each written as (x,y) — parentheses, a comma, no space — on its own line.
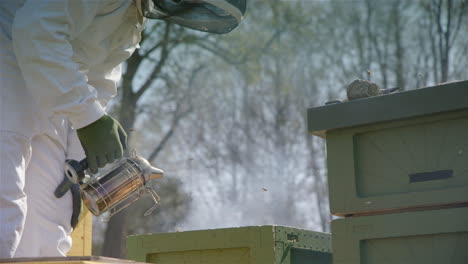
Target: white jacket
(61,58)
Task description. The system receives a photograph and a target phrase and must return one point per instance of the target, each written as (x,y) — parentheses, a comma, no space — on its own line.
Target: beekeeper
(59,66)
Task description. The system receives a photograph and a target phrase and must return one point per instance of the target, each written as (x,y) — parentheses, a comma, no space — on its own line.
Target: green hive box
(407,150)
(243,245)
(423,237)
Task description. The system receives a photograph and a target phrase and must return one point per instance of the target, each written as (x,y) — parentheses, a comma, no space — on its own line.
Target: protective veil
(213,16)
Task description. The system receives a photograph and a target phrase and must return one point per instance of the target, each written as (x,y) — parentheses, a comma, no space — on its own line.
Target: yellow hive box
(82,236)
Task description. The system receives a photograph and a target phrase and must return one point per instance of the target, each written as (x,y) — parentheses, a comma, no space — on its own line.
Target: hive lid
(424,101)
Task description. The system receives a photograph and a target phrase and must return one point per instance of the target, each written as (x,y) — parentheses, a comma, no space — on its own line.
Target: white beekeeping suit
(59,66)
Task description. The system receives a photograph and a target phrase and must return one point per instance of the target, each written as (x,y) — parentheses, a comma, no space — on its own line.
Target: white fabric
(47,229)
(15,153)
(59,61)
(68,53)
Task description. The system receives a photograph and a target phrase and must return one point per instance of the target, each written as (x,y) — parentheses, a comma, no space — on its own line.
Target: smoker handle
(74,170)
(63,187)
(74,174)
(152,193)
(83,165)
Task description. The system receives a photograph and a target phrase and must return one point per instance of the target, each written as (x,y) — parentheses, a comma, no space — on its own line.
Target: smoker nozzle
(156,173)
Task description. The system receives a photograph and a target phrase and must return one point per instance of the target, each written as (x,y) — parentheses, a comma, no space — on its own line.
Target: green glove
(103,142)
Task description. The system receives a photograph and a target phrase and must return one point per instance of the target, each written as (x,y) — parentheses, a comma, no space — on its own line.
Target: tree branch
(461,14)
(232,59)
(163,57)
(178,114)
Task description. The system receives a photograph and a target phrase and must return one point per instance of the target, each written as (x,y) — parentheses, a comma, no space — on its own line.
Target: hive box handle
(430,176)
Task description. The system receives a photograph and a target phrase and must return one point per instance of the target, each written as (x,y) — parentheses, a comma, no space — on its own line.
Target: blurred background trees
(225,116)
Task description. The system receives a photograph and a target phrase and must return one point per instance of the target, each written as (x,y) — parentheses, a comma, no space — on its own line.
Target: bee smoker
(115,186)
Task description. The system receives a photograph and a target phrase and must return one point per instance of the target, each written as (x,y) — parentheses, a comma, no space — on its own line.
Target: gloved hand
(103,142)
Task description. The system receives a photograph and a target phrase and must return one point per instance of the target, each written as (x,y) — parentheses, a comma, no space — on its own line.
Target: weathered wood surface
(82,236)
(71,260)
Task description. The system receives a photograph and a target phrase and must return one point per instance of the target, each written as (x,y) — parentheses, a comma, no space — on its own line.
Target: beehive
(424,237)
(406,150)
(256,244)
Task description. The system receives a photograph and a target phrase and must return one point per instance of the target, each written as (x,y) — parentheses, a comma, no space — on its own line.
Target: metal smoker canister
(122,183)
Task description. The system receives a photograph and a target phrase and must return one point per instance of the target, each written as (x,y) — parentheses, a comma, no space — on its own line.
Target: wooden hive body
(423,237)
(256,244)
(397,152)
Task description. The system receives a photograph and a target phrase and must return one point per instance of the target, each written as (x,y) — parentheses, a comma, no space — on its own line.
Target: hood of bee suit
(213,16)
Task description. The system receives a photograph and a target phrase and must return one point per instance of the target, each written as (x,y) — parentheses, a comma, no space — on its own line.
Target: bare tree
(445,20)
(144,69)
(232,108)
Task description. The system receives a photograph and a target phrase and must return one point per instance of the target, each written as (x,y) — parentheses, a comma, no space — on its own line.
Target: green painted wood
(408,163)
(287,239)
(257,244)
(227,256)
(426,237)
(402,105)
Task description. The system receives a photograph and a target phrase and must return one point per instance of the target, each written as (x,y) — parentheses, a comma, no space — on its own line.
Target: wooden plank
(82,236)
(406,209)
(51,262)
(71,260)
(65,262)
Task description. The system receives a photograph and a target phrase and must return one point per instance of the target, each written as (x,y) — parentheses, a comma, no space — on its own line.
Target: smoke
(273,191)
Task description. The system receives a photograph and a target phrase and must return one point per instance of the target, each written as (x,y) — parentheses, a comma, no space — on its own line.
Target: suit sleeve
(41,36)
